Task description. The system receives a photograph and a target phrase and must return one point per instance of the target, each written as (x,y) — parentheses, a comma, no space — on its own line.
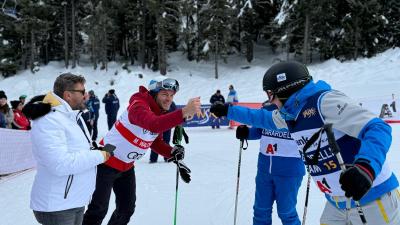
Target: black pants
(124,186)
(111,120)
(95,132)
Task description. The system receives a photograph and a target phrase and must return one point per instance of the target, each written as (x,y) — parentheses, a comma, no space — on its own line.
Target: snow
(212,155)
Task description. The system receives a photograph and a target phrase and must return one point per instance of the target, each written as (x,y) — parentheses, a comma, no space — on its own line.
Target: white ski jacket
(66,167)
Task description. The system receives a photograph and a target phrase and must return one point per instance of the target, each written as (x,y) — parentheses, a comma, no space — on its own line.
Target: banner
(204,118)
(15,151)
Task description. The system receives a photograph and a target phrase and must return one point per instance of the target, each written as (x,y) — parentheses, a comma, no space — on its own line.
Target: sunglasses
(80,91)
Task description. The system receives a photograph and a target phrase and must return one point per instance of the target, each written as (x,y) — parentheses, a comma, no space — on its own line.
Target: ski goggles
(168,84)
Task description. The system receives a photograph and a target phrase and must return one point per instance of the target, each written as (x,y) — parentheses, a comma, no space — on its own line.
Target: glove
(177,153)
(357,180)
(219,109)
(107,148)
(242,132)
(184,171)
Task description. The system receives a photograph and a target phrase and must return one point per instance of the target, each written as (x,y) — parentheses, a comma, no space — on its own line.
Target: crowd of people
(302,126)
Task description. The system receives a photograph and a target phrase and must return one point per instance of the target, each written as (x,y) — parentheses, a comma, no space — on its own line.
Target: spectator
(111,102)
(87,117)
(2,121)
(93,105)
(66,165)
(215,99)
(6,110)
(232,95)
(20,121)
(166,138)
(22,99)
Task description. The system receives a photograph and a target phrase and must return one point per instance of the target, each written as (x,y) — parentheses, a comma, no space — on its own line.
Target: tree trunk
(142,36)
(73,34)
(306,34)
(33,47)
(356,37)
(66,59)
(216,55)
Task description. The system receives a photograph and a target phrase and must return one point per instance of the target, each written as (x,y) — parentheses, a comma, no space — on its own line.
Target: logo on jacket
(308,113)
(341,108)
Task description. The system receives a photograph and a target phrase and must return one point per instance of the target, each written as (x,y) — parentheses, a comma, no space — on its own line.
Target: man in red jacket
(136,130)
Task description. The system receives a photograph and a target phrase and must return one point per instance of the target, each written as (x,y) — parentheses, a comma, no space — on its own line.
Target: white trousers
(383,211)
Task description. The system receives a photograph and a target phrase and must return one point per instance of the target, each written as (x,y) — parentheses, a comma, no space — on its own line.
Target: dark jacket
(111,104)
(215,98)
(93,105)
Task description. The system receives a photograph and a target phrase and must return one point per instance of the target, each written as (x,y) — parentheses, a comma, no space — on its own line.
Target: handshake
(177,155)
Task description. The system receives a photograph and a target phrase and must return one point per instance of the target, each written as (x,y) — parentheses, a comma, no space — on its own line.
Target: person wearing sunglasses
(65,164)
(138,129)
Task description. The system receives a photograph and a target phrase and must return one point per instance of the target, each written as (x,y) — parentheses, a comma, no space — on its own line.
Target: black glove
(177,153)
(184,171)
(219,109)
(357,180)
(107,148)
(242,132)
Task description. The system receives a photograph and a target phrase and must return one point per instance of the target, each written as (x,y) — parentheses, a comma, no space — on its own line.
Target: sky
(212,155)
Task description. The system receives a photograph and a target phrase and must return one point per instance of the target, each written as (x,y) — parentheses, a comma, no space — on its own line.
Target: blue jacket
(2,121)
(111,104)
(276,143)
(358,132)
(93,105)
(232,96)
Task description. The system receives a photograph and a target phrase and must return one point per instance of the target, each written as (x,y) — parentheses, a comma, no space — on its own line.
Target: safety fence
(15,151)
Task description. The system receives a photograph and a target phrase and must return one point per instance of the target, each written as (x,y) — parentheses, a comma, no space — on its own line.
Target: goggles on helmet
(168,84)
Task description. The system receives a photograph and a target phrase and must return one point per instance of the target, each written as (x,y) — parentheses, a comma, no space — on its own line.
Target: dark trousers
(111,120)
(95,131)
(166,138)
(124,186)
(65,217)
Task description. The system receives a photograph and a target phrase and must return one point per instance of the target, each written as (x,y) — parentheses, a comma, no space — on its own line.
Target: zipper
(270,164)
(68,185)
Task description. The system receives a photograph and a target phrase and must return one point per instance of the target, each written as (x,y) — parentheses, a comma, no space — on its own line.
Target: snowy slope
(212,154)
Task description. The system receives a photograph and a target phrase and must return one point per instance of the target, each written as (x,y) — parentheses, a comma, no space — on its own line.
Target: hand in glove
(357,180)
(219,109)
(184,171)
(242,132)
(107,150)
(177,153)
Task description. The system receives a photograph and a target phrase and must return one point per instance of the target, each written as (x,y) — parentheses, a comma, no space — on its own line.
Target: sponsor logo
(341,108)
(308,113)
(135,155)
(281,77)
(147,131)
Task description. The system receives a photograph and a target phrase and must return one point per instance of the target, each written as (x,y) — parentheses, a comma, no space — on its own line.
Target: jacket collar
(59,104)
(145,95)
(296,102)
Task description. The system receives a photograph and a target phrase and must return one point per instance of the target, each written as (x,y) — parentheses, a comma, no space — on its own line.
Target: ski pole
(178,142)
(336,150)
(307,194)
(238,178)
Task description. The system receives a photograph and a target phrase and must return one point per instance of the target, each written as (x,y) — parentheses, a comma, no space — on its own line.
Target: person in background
(93,104)
(22,99)
(20,121)
(6,110)
(216,98)
(87,118)
(166,138)
(2,121)
(65,160)
(111,102)
(232,95)
(138,128)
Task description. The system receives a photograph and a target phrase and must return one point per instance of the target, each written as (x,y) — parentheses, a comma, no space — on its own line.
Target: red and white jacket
(138,128)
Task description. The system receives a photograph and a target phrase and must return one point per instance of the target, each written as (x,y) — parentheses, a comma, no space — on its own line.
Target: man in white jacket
(66,166)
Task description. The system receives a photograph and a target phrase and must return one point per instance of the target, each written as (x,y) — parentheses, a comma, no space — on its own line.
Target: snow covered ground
(212,154)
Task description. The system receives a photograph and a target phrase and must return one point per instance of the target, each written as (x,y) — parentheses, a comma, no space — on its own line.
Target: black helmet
(285,78)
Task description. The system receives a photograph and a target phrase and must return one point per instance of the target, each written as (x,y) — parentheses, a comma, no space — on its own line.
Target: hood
(144,95)
(296,102)
(40,105)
